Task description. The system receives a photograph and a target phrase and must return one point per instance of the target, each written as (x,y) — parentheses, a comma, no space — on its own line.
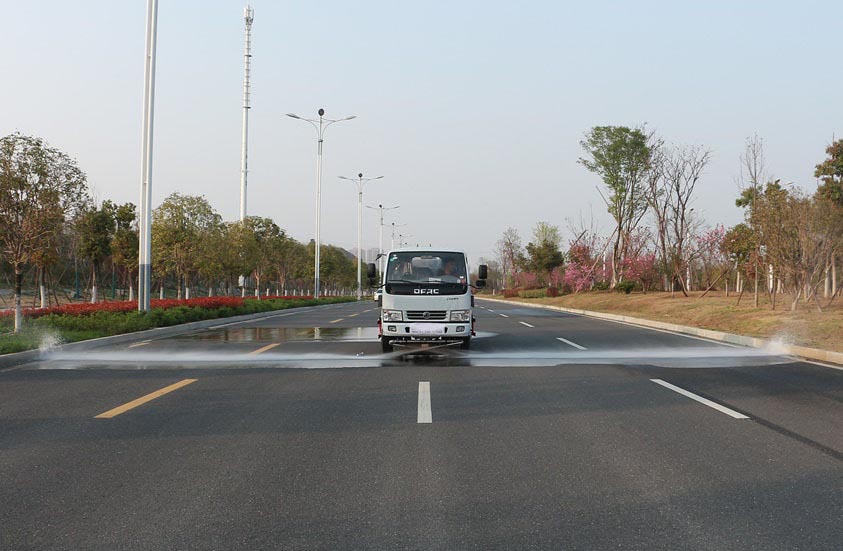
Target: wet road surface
(553,431)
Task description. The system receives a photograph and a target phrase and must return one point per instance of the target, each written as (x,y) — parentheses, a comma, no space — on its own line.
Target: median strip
(424,413)
(144,399)
(264,348)
(722,409)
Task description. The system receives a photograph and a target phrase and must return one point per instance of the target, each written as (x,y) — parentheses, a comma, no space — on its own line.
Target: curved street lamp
(320,125)
(360,181)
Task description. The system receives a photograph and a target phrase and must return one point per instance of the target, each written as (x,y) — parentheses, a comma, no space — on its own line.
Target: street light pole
(360,181)
(381,210)
(321,124)
(145,219)
(394,225)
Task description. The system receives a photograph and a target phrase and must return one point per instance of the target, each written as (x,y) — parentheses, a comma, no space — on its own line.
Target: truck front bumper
(426,331)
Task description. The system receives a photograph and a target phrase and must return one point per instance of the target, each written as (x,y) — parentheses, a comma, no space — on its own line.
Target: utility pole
(248,18)
(145,221)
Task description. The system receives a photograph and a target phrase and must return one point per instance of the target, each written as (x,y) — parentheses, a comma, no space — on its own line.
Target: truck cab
(426,298)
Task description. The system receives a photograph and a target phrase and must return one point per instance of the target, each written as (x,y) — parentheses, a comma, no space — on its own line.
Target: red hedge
(85,308)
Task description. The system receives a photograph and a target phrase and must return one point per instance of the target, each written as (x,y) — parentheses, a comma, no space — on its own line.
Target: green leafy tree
(830,172)
(39,187)
(621,157)
(95,228)
(177,226)
(124,243)
(543,253)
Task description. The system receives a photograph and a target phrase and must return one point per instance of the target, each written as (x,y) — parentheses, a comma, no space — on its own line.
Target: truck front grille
(426,315)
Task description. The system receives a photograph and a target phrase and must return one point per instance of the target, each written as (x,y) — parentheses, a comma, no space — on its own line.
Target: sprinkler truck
(426,298)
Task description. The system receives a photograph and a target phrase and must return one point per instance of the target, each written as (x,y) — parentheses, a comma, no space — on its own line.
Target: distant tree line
(789,243)
(54,236)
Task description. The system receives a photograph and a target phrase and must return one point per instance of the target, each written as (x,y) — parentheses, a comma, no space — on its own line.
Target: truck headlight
(460,315)
(393,315)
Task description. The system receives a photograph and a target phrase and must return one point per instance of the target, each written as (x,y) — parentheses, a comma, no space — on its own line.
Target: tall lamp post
(381,209)
(360,181)
(394,225)
(145,219)
(321,124)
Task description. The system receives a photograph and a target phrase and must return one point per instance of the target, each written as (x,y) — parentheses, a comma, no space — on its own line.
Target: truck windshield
(427,269)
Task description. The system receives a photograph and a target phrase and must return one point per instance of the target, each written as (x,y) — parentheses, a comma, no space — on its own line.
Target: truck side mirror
(371,271)
(480,283)
(482,271)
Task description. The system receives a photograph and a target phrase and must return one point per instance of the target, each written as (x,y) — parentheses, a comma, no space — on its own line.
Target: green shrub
(625,287)
(533,293)
(601,286)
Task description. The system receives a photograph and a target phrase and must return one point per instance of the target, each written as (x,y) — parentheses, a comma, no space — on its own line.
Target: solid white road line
(503,315)
(700,399)
(424,415)
(575,345)
(526,324)
(144,343)
(798,359)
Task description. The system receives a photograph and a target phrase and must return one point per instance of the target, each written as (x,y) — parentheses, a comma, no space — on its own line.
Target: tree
(543,254)
(95,228)
(621,157)
(510,255)
(124,243)
(830,172)
(177,226)
(39,186)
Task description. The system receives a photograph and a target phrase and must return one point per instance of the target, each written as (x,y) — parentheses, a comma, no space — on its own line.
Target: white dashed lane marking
(526,324)
(722,409)
(575,345)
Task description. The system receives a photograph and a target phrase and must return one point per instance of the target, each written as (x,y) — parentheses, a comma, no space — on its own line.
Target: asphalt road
(294,432)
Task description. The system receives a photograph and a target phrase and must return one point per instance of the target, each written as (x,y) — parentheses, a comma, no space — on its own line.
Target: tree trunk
(211,290)
(18,309)
(131,292)
(42,289)
(93,283)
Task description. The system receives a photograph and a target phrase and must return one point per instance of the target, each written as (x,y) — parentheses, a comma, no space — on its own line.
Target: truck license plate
(427,328)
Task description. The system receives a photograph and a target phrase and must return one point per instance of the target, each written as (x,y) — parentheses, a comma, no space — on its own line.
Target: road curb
(28,356)
(816,354)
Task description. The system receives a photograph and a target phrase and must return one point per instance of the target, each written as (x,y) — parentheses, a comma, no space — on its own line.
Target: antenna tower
(248,18)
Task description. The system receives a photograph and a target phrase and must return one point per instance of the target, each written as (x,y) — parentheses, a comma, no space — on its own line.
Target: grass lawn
(805,327)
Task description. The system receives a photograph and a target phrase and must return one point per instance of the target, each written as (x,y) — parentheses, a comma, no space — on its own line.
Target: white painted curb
(719,336)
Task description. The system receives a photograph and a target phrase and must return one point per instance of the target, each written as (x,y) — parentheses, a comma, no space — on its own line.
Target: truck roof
(424,250)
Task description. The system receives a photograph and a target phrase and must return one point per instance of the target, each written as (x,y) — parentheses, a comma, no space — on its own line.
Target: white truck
(426,299)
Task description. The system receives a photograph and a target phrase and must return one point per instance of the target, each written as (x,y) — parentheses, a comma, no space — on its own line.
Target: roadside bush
(533,293)
(510,293)
(552,292)
(600,286)
(625,287)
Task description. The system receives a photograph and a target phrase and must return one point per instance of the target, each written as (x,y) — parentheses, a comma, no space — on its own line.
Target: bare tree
(510,254)
(753,175)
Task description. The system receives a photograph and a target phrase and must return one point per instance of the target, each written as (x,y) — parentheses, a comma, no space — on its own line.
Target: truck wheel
(386,345)
(466,343)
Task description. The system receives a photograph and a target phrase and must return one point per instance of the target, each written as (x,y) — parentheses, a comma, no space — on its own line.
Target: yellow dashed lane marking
(144,399)
(265,348)
(138,344)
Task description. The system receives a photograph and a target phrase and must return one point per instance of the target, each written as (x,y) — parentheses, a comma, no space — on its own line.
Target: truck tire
(466,343)
(386,345)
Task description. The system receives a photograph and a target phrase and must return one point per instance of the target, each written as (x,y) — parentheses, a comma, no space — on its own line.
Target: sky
(472,111)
